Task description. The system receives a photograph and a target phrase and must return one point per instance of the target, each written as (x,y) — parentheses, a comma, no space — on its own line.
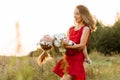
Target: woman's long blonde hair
(87,18)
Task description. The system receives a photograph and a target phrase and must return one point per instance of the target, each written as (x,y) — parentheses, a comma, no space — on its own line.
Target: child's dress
(74,58)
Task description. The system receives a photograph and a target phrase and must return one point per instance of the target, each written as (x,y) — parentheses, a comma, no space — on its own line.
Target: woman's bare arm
(83,40)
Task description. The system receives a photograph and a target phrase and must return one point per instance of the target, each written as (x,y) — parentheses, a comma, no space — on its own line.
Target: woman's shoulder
(86,28)
(71,28)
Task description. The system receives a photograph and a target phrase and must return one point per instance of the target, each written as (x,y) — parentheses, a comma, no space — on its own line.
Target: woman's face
(77,16)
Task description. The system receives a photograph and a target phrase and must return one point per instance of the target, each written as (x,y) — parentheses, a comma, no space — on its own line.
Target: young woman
(71,67)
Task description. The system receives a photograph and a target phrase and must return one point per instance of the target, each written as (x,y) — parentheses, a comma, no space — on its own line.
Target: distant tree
(106,39)
(93,41)
(35,53)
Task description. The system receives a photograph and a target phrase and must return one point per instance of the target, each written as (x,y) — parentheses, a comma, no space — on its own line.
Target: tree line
(106,39)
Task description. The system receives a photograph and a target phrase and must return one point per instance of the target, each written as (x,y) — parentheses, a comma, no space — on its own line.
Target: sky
(39,17)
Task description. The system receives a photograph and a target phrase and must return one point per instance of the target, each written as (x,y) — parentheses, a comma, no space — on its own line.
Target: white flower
(60,36)
(46,43)
(57,43)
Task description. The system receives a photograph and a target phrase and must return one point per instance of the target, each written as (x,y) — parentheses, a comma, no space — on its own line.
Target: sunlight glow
(37,18)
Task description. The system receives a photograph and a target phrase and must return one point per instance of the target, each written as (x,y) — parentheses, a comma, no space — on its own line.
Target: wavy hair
(87,18)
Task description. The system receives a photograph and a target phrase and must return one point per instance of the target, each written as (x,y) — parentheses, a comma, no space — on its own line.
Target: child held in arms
(47,41)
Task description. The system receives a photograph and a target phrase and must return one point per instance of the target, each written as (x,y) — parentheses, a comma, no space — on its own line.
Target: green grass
(26,68)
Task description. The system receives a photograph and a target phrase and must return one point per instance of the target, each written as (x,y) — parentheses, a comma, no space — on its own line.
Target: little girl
(56,41)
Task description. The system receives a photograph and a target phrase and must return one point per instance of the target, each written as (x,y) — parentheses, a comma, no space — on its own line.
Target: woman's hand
(66,42)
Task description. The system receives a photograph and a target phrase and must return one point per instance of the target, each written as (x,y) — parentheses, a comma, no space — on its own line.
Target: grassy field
(26,68)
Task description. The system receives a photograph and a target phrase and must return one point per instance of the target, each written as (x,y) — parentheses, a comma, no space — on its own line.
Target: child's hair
(44,55)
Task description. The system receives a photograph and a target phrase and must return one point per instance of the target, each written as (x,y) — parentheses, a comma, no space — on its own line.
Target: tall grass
(26,68)
(103,67)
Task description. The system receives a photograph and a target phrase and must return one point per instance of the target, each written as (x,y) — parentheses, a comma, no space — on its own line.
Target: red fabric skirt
(75,67)
(78,78)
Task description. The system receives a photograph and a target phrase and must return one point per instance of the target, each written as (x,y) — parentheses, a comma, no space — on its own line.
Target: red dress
(74,58)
